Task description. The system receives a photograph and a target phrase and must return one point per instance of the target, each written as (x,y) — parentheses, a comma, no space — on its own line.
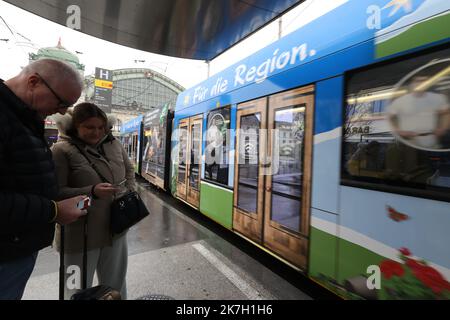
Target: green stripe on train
(337,258)
(322,258)
(354,260)
(423,33)
(217,203)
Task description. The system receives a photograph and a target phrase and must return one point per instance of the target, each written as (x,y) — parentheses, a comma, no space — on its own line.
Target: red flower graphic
(390,268)
(400,279)
(413,264)
(429,276)
(405,251)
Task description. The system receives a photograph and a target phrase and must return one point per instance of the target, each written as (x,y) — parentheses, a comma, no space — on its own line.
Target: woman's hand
(104,190)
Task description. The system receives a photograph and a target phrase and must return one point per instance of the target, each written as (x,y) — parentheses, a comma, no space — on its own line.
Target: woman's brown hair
(84,111)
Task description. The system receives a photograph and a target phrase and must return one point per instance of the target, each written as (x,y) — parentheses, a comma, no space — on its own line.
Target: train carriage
(330,149)
(157,128)
(131,136)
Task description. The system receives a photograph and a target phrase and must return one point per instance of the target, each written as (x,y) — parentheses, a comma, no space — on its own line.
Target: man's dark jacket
(27,180)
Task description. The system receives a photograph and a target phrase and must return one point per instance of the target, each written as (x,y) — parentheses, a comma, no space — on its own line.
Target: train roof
(385,30)
(132,125)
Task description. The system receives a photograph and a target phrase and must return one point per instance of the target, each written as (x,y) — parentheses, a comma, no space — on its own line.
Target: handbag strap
(91,163)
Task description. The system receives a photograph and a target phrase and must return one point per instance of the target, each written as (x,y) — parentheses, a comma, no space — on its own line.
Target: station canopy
(193,29)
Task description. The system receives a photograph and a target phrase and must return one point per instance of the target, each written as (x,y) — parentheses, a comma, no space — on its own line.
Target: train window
(154,147)
(397,124)
(182,154)
(217,146)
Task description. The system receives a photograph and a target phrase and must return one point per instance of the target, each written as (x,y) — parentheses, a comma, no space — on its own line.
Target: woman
(85,134)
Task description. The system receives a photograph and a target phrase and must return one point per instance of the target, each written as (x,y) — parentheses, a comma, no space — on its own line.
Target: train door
(288,186)
(189,161)
(126,141)
(248,182)
(183,131)
(194,161)
(134,148)
(272,200)
(136,152)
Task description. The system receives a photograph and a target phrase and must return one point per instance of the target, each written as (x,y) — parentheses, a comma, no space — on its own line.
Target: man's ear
(33,81)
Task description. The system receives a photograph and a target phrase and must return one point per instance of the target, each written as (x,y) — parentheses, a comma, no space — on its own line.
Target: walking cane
(62,268)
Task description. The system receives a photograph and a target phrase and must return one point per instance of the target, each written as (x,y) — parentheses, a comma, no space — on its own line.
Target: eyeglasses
(61,103)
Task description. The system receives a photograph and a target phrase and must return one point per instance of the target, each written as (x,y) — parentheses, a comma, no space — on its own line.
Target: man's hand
(68,211)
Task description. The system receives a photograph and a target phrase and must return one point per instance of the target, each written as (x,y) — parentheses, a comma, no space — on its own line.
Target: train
(329,149)
(146,139)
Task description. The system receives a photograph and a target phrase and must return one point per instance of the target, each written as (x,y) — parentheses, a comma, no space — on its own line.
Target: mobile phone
(84,204)
(120,183)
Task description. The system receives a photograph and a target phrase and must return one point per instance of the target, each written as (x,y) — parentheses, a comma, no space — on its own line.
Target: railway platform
(176,253)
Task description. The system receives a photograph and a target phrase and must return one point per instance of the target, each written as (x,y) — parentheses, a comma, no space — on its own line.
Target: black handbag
(126,211)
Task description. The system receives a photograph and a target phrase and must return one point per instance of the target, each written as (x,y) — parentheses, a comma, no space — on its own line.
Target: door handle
(267,165)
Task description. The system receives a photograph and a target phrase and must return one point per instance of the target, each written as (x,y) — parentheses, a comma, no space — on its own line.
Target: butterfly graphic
(395,215)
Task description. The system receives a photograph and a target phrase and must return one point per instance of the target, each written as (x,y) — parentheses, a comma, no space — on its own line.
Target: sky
(31,32)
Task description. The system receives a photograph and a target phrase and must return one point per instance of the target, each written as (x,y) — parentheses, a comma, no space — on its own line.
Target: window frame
(368,183)
(215,182)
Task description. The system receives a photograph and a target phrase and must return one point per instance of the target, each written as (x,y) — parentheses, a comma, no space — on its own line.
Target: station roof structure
(192,29)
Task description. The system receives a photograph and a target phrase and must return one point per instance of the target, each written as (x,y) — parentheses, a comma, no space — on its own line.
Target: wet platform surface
(172,254)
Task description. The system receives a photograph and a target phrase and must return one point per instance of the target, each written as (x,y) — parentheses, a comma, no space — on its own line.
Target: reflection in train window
(397,124)
(249,162)
(194,153)
(182,155)
(287,178)
(217,146)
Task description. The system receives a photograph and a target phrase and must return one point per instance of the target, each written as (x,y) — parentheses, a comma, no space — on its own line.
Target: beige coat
(76,177)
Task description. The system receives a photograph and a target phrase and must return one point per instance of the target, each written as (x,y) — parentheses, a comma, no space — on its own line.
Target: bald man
(28,185)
